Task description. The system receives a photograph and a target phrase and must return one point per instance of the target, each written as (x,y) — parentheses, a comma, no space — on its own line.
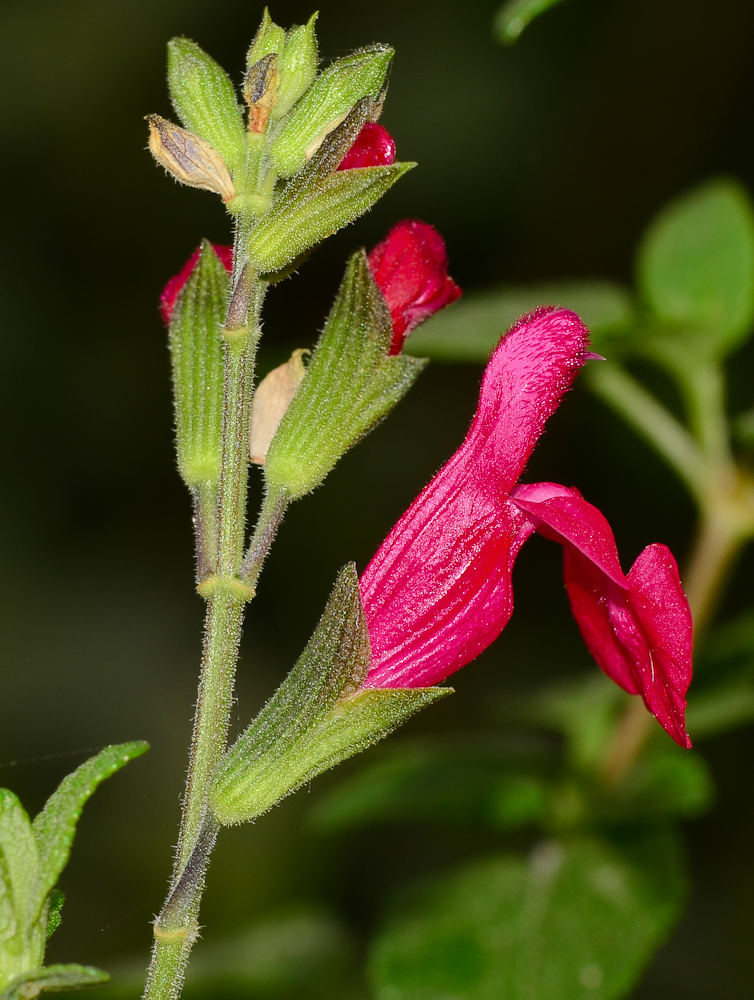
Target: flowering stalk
(310,160)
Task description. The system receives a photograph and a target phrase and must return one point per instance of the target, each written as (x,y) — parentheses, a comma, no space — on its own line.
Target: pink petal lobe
(373,147)
(570,518)
(641,638)
(174,287)
(662,610)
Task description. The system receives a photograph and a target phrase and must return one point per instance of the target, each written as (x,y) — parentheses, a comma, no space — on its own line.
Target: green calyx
(205,100)
(351,383)
(326,103)
(32,856)
(197,361)
(297,66)
(319,716)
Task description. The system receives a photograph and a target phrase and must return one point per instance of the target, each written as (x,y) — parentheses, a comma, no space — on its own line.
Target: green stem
(176,928)
(273,508)
(204,498)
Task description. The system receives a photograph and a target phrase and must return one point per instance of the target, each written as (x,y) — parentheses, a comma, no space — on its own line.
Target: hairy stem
(176,927)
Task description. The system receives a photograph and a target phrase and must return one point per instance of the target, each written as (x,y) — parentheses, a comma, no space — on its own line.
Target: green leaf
(431,782)
(197,364)
(55,826)
(332,95)
(19,867)
(55,902)
(53,979)
(696,269)
(469,330)
(350,384)
(205,100)
(577,920)
(515,15)
(318,717)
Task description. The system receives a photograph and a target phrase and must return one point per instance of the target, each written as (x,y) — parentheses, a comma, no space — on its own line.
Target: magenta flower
(410,267)
(373,147)
(171,291)
(438,591)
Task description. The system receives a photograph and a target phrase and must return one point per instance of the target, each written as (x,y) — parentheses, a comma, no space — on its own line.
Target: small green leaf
(469,330)
(55,826)
(55,902)
(577,920)
(205,101)
(19,868)
(696,269)
(350,384)
(329,99)
(318,717)
(53,979)
(197,363)
(515,15)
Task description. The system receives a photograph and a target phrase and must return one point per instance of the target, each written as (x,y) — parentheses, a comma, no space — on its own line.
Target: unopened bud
(270,37)
(188,158)
(271,400)
(261,90)
(298,66)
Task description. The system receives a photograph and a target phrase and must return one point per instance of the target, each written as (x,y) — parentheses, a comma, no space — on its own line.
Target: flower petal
(438,591)
(570,518)
(642,637)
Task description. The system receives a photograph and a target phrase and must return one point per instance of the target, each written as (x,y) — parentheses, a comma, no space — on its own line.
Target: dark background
(541,161)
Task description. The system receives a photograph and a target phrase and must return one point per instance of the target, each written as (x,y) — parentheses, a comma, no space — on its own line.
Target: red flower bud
(410,267)
(173,288)
(373,147)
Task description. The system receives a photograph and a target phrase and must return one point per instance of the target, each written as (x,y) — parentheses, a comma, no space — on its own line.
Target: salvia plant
(294,157)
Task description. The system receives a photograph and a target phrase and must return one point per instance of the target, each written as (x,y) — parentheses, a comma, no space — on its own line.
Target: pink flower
(438,591)
(410,267)
(173,288)
(373,147)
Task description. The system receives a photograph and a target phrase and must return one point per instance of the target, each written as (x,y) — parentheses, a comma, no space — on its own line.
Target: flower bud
(188,158)
(298,66)
(271,399)
(174,287)
(205,100)
(270,37)
(323,106)
(351,383)
(410,267)
(195,309)
(374,147)
(261,90)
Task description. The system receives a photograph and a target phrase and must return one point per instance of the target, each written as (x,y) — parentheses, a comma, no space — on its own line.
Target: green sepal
(197,360)
(55,902)
(53,979)
(351,383)
(321,199)
(297,66)
(327,101)
(205,101)
(55,826)
(696,273)
(19,868)
(270,37)
(318,717)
